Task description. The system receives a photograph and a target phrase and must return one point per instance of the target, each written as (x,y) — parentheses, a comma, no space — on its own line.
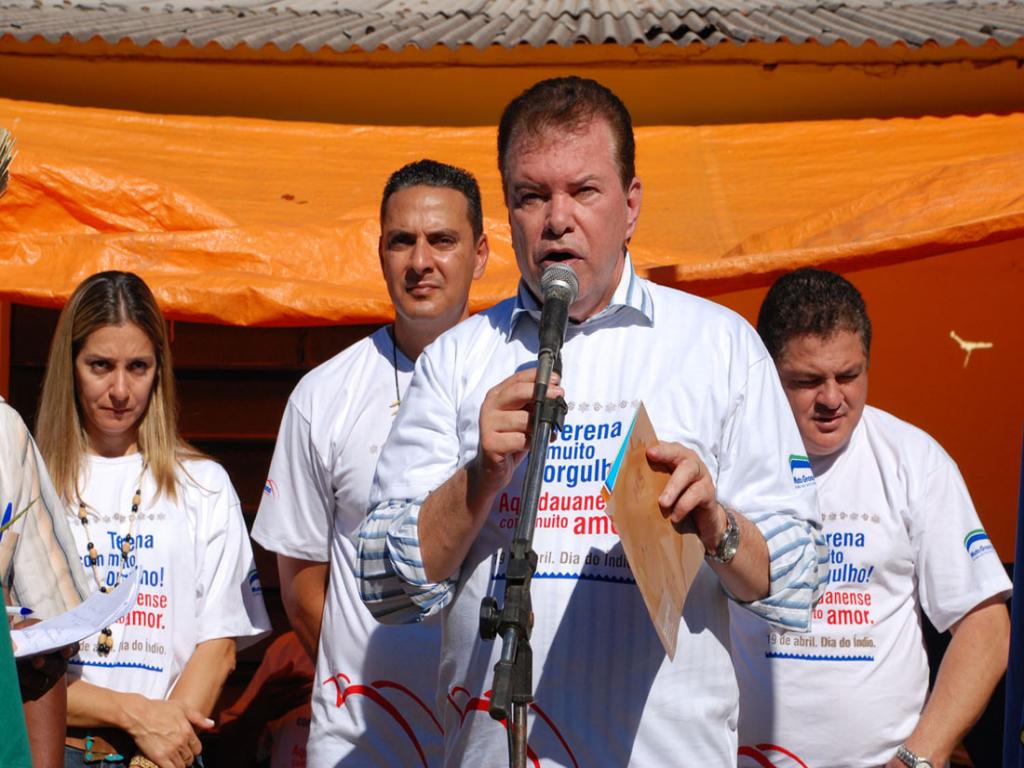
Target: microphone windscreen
(559,281)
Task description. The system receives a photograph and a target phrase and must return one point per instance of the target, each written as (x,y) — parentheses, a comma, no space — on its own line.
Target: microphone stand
(513,674)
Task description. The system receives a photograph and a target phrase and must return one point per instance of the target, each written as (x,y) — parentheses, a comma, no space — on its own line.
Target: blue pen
(19,610)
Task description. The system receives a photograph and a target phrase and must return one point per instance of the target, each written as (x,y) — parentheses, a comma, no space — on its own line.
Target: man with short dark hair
(373,684)
(448,484)
(903,535)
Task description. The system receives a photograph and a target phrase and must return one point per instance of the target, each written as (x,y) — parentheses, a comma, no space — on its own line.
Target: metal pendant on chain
(105,641)
(394,362)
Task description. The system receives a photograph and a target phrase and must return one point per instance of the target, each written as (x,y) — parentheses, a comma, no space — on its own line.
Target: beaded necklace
(105,642)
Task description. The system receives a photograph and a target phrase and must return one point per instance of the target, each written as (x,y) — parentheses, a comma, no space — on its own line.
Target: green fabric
(14,751)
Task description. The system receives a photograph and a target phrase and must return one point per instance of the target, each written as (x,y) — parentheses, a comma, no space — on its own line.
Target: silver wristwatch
(911,760)
(729,544)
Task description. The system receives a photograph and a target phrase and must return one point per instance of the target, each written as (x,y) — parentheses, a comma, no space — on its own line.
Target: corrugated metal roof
(368,25)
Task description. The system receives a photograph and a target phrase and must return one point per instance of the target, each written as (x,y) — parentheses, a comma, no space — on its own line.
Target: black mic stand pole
(513,674)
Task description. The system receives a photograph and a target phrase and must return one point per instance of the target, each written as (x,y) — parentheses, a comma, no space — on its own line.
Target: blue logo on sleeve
(254,581)
(800,466)
(977,543)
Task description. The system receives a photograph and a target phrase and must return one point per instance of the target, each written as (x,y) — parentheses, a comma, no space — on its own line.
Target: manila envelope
(664,562)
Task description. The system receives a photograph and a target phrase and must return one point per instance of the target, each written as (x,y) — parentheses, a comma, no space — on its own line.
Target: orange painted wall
(917,371)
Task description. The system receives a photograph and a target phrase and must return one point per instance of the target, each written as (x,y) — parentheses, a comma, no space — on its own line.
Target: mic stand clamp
(513,673)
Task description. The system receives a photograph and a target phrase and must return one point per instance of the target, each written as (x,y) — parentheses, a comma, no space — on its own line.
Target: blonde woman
(139,497)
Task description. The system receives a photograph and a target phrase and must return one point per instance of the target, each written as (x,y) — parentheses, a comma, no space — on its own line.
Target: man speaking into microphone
(447,490)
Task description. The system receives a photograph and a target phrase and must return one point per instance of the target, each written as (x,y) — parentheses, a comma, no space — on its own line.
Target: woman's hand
(165,731)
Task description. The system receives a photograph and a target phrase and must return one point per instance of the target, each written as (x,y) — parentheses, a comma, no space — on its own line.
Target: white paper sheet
(100,610)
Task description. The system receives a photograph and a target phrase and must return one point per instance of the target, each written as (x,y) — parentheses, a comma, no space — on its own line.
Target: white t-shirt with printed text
(605,692)
(374,687)
(197,580)
(903,536)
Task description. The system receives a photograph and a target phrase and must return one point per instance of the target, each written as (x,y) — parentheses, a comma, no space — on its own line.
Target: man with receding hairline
(448,483)
(373,685)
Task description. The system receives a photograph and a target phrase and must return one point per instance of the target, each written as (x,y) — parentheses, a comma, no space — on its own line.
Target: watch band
(911,760)
(729,544)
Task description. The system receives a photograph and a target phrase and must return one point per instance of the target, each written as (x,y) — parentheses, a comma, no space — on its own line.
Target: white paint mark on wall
(969,346)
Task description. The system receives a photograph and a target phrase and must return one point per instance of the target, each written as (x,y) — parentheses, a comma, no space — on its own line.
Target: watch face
(730,542)
(911,760)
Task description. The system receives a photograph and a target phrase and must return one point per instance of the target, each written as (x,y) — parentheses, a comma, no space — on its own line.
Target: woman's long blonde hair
(108,298)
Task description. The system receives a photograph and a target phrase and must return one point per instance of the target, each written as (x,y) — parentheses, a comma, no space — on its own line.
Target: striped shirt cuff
(798,570)
(392,580)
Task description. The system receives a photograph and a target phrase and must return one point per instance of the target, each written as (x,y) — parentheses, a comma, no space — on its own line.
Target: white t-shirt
(197,580)
(903,535)
(606,694)
(372,681)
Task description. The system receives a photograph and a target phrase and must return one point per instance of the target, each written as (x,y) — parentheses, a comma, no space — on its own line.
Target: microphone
(513,675)
(560,286)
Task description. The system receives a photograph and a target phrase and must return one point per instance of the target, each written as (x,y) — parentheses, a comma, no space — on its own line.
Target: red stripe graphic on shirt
(544,716)
(399,687)
(476,704)
(373,695)
(758,755)
(473,703)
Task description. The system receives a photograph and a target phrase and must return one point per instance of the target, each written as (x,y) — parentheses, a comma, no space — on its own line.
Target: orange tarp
(259,222)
